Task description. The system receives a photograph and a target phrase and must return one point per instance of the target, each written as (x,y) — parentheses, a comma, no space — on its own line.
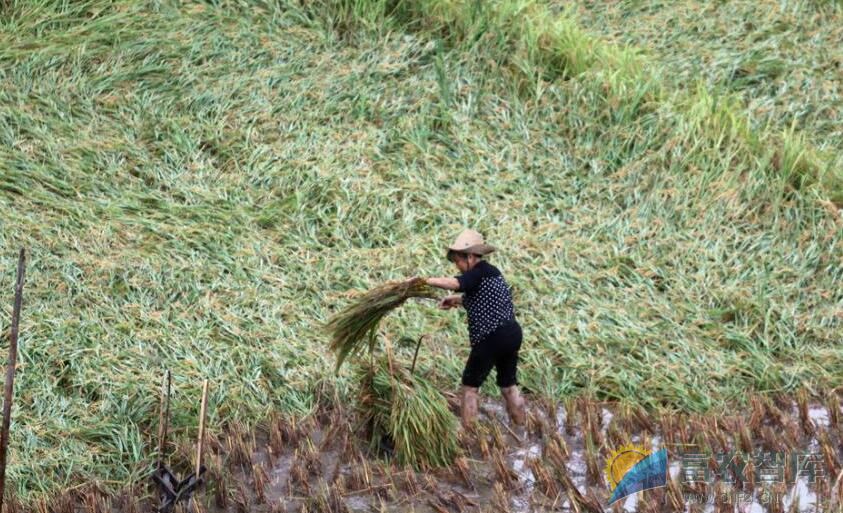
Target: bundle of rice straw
(408,410)
(359,321)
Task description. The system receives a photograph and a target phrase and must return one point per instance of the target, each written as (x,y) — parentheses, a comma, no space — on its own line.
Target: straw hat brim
(477,249)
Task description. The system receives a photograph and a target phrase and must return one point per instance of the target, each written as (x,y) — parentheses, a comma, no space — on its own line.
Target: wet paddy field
(322,463)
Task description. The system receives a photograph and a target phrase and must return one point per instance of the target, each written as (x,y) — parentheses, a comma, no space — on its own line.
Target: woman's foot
(514,405)
(468,405)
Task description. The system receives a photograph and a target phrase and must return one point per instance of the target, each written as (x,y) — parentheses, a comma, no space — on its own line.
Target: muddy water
(335,483)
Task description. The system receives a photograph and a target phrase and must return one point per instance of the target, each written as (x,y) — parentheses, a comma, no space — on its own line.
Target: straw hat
(469,241)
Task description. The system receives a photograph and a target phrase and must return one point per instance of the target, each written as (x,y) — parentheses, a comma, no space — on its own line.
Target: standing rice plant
(593,470)
(832,405)
(238,447)
(804,417)
(537,425)
(674,494)
(591,415)
(722,499)
(260,480)
(715,433)
(837,491)
(667,426)
(776,504)
(544,480)
(339,483)
(345,447)
(550,407)
(555,450)
(305,464)
(744,435)
(95,502)
(683,433)
(62,503)
(570,416)
(829,452)
(500,497)
(462,471)
(360,477)
(241,500)
(579,502)
(759,412)
(308,455)
(481,435)
(771,439)
(407,481)
(497,438)
(503,471)
(218,478)
(325,500)
(275,442)
(127,501)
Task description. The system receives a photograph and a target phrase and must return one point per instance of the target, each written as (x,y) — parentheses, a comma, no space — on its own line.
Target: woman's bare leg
(514,405)
(468,405)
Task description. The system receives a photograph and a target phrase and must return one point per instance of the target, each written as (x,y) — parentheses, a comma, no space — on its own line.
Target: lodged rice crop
(196,182)
(359,322)
(783,59)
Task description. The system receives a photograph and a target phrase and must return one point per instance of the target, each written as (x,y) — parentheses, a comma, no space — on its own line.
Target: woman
(494,333)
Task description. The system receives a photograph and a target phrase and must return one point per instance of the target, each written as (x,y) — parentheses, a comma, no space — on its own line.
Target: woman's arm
(443,283)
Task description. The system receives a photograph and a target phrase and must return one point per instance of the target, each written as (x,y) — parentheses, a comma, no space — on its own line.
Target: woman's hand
(451,301)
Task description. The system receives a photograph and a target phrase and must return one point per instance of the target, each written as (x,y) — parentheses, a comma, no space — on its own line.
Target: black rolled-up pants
(499,350)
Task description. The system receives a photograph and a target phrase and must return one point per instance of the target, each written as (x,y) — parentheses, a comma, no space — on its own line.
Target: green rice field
(200,186)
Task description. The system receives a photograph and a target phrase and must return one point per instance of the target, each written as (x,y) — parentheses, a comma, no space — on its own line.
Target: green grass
(200,188)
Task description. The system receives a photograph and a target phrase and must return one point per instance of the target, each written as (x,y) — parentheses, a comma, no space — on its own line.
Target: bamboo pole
(10,374)
(202,409)
(163,418)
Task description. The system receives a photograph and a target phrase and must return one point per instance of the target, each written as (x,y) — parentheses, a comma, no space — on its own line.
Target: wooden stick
(10,374)
(163,418)
(201,428)
(416,354)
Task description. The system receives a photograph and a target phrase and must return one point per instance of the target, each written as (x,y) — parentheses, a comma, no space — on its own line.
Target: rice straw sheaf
(408,410)
(359,321)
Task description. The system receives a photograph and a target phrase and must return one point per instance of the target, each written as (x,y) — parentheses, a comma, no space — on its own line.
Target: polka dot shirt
(487,300)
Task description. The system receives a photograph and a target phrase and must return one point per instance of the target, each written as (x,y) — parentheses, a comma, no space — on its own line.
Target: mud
(439,491)
(321,465)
